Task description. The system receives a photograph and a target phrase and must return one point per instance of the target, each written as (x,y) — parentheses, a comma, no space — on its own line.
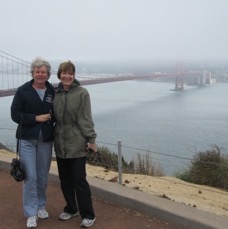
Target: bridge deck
(12,91)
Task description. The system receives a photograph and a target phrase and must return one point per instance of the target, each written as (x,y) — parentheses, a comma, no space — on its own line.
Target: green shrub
(209,168)
(109,160)
(184,174)
(143,164)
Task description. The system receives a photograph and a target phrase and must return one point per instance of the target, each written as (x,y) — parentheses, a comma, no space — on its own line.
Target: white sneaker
(32,222)
(42,214)
(87,222)
(66,216)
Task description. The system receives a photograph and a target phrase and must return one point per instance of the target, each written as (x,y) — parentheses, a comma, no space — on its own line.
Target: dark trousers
(75,188)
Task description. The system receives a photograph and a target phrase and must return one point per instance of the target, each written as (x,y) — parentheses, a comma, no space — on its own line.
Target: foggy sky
(115,29)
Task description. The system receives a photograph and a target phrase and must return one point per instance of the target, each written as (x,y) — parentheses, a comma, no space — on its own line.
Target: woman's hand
(43,118)
(92,146)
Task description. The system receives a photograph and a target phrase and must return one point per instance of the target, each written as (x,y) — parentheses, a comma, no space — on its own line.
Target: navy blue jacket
(27,105)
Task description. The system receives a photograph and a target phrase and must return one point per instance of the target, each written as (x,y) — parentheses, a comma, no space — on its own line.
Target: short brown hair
(66,66)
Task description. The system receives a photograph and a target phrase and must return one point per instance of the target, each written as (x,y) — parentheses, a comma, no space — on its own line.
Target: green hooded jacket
(74,125)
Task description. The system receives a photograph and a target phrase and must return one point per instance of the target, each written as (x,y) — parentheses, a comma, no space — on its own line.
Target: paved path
(108,215)
(116,207)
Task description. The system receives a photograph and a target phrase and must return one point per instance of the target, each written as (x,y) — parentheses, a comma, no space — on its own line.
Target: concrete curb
(180,215)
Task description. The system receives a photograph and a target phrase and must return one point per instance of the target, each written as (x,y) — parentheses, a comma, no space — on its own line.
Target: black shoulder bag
(16,170)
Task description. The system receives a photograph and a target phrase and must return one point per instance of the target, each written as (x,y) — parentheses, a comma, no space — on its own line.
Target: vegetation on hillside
(143,163)
(208,167)
(5,148)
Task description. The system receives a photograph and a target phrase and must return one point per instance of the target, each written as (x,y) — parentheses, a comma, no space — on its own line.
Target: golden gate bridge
(14,71)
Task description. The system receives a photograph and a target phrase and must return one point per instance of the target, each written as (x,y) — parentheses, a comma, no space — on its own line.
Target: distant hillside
(5,148)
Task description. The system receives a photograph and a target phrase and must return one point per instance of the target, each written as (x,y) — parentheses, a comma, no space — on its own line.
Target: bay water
(149,118)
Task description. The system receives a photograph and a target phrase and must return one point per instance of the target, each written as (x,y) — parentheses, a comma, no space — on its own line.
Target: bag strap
(19,139)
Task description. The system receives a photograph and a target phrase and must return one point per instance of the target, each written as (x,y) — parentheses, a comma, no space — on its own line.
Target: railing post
(120,161)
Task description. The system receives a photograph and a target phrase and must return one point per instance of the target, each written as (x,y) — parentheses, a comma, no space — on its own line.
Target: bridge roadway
(9,92)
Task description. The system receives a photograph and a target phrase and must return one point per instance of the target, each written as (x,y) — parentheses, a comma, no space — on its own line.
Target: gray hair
(40,62)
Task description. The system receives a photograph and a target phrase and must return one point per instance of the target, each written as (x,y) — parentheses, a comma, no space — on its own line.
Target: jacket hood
(60,88)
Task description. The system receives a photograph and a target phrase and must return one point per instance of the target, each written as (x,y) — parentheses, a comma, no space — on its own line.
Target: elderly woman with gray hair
(32,109)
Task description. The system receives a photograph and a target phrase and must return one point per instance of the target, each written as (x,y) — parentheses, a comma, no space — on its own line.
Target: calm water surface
(148,117)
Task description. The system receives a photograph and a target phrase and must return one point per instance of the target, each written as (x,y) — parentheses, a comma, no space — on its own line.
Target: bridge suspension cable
(13,71)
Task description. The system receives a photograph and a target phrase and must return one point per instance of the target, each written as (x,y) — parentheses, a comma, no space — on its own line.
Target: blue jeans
(36,160)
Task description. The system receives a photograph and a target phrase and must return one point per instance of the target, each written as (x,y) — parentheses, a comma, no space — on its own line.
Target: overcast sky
(115,29)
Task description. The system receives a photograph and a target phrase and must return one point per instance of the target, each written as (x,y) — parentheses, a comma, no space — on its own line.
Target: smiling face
(40,76)
(66,73)
(67,78)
